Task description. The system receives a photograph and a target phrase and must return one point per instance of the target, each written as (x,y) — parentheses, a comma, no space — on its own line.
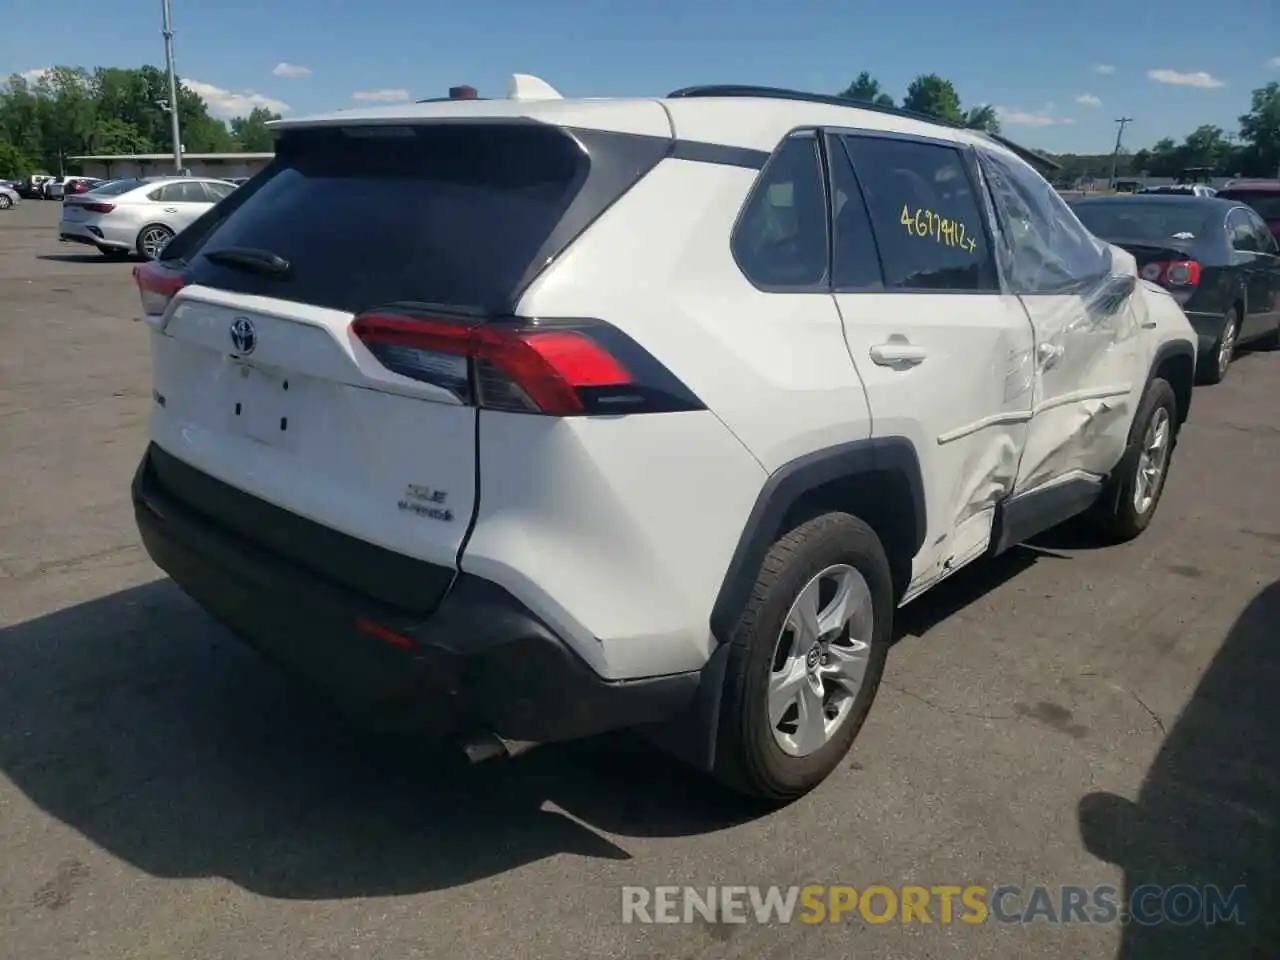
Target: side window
(1047,249)
(217,191)
(855,262)
(781,237)
(927,218)
(1240,232)
(188,192)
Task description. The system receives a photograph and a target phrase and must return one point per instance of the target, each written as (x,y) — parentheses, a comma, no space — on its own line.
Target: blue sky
(1042,65)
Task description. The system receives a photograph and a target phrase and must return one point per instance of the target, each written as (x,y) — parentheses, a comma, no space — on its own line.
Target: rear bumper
(1208,328)
(89,233)
(479,663)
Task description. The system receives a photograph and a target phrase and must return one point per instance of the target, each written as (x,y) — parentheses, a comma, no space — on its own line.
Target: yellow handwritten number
(906,220)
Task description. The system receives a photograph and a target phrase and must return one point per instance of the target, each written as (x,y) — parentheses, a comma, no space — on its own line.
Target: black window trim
(968,159)
(806,132)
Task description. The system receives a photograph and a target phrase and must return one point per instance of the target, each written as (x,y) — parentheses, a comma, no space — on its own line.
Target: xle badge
(425,502)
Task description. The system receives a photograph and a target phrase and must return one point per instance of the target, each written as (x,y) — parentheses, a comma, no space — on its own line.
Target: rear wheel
(5,201)
(152,240)
(1216,361)
(806,658)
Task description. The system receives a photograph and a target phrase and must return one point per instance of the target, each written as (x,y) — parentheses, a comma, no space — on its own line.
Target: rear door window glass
(452,215)
(188,192)
(928,222)
(780,240)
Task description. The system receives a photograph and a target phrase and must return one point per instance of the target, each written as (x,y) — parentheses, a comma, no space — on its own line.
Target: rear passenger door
(1090,369)
(943,352)
(183,203)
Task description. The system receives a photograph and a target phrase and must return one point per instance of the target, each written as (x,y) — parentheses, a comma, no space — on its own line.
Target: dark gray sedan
(1217,257)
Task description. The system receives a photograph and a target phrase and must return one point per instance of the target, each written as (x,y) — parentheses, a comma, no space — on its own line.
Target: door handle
(170,209)
(897,352)
(1049,354)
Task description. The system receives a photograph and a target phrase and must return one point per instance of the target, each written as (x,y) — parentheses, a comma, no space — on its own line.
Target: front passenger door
(1089,371)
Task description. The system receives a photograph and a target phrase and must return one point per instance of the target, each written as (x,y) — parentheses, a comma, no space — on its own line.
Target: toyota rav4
(524,419)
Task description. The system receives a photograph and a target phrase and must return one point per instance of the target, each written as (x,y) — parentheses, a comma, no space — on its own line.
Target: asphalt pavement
(1064,716)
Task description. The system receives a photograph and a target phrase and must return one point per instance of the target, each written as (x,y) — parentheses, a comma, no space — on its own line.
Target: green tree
(13,162)
(1260,132)
(1206,146)
(932,95)
(982,117)
(866,89)
(252,133)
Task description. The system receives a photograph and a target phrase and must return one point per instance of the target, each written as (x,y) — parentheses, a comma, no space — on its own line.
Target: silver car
(8,197)
(138,215)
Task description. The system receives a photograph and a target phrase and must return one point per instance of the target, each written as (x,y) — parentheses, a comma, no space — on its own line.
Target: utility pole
(1115,154)
(173,87)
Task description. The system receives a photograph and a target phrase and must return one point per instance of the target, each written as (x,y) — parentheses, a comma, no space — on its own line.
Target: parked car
(138,215)
(1215,255)
(31,188)
(9,198)
(1262,195)
(75,186)
(1181,189)
(803,368)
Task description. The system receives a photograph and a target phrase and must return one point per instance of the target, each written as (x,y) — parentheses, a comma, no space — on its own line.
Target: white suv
(519,420)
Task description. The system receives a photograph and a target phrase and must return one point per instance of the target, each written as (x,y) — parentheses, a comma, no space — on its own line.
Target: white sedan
(138,215)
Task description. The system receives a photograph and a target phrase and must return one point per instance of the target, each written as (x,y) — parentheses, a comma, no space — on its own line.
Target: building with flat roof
(117,166)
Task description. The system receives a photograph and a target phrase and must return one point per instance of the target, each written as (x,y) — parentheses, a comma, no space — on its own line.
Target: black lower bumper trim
(480,662)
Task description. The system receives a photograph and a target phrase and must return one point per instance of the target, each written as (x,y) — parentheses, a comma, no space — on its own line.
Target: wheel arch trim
(787,486)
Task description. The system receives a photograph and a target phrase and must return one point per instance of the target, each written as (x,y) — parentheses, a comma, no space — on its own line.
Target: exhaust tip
(489,746)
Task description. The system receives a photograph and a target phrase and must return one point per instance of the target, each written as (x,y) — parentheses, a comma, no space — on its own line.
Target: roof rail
(781,93)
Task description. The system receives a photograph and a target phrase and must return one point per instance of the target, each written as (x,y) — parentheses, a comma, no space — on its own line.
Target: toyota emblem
(243,337)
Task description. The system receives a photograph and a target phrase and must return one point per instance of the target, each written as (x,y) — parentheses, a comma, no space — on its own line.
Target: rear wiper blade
(248,258)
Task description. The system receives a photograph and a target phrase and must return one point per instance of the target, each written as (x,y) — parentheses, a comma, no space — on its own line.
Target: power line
(1122,122)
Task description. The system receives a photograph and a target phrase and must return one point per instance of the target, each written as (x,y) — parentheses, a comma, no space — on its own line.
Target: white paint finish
(645,117)
(1089,378)
(351,446)
(616,530)
(774,367)
(965,407)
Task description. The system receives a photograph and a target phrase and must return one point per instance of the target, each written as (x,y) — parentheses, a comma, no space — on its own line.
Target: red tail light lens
(525,368)
(98,207)
(1173,273)
(157,285)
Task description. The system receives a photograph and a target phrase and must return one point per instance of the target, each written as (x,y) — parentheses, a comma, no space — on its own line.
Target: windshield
(1266,204)
(1143,221)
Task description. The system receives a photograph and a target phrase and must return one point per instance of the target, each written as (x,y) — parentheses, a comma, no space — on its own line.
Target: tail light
(98,207)
(1173,273)
(553,368)
(157,285)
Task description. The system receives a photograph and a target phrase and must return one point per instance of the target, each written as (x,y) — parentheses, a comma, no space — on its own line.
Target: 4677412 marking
(925,223)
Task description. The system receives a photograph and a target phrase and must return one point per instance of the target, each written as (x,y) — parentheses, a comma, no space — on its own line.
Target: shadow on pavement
(1209,809)
(79,258)
(141,723)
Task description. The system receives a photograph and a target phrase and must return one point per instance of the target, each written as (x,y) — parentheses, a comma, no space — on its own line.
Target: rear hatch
(282,365)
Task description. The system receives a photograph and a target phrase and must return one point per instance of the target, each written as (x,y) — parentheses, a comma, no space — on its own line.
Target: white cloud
(1105,69)
(1198,79)
(396,95)
(1028,118)
(1088,100)
(283,69)
(36,75)
(225,104)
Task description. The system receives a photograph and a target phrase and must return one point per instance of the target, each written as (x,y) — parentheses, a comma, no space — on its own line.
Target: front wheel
(806,658)
(5,201)
(152,240)
(1138,481)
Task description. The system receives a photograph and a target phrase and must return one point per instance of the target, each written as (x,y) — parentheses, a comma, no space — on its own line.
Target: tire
(1213,369)
(750,756)
(145,235)
(5,202)
(1125,514)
